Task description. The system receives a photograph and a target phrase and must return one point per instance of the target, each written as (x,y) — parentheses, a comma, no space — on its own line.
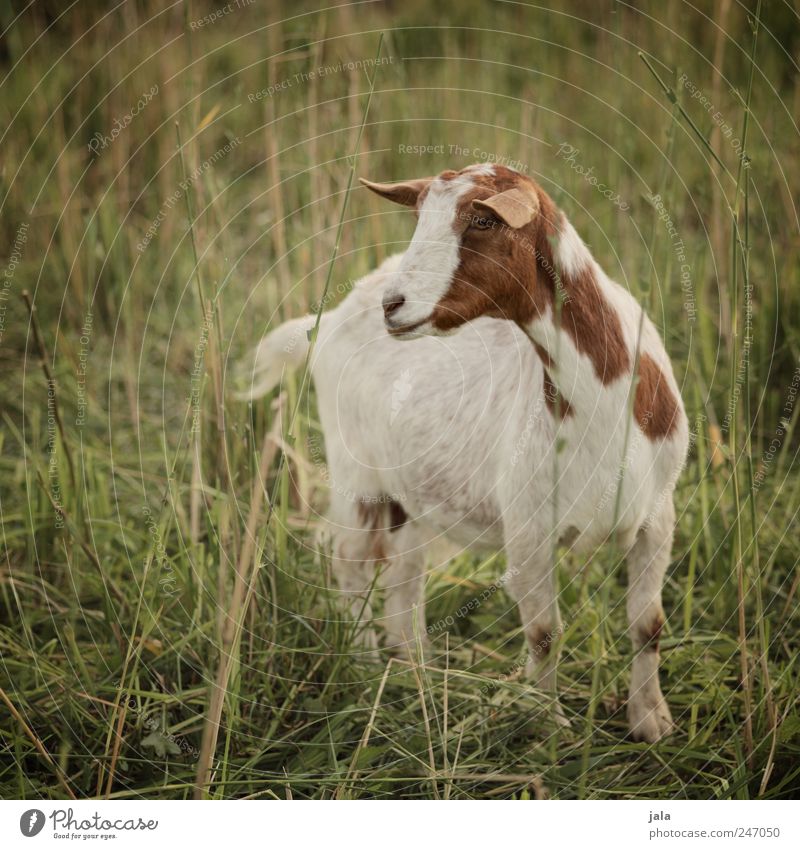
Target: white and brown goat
(518,433)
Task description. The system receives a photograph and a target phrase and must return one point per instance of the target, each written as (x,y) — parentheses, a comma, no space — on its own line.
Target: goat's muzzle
(392,303)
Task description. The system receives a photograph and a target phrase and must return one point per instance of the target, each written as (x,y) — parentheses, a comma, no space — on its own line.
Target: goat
(559,423)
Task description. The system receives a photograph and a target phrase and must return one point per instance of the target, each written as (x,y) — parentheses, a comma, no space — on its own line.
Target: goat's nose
(392,303)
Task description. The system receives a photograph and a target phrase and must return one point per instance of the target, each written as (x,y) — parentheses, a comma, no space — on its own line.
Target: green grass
(119,613)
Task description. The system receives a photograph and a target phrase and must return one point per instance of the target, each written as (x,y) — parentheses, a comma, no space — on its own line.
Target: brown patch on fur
(654,406)
(496,275)
(511,273)
(397,516)
(383,514)
(648,636)
(594,326)
(543,355)
(569,536)
(550,390)
(550,395)
(377,551)
(369,514)
(540,641)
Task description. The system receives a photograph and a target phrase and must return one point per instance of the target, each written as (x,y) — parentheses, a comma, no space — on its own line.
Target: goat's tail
(286,347)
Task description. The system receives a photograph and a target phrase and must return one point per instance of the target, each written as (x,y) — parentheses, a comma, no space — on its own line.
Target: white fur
(571,253)
(427,267)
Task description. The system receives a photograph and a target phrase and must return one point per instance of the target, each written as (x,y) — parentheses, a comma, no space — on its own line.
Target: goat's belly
(467,521)
(472,536)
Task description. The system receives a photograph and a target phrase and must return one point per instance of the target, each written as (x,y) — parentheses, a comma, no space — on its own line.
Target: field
(177,179)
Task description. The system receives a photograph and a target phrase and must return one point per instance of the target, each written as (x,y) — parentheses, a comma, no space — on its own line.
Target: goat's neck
(575,327)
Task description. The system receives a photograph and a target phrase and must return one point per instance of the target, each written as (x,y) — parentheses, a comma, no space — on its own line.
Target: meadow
(176,179)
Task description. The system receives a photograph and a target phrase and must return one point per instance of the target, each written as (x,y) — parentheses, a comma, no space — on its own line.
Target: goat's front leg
(531,582)
(648,558)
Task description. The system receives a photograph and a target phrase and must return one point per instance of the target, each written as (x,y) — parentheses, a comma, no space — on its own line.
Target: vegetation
(174,181)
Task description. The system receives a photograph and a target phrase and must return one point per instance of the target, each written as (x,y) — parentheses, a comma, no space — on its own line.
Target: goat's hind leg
(353,538)
(648,559)
(403,581)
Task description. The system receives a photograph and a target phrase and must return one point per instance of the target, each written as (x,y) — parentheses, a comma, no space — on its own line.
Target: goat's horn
(405,193)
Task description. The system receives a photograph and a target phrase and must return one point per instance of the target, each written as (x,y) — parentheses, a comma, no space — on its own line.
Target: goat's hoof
(649,719)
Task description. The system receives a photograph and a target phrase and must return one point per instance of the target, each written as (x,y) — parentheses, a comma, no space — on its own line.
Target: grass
(159,567)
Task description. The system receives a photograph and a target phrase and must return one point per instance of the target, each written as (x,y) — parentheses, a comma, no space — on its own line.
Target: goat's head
(475,250)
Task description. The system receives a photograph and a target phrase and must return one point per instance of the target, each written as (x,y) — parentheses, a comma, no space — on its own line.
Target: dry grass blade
(235,609)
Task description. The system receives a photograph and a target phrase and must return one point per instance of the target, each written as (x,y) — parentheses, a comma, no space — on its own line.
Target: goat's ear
(516,207)
(406,193)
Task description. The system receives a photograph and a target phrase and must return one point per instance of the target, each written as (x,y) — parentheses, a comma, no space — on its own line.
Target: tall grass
(166,627)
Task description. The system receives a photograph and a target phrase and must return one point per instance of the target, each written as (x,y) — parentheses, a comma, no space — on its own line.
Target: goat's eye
(482,223)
